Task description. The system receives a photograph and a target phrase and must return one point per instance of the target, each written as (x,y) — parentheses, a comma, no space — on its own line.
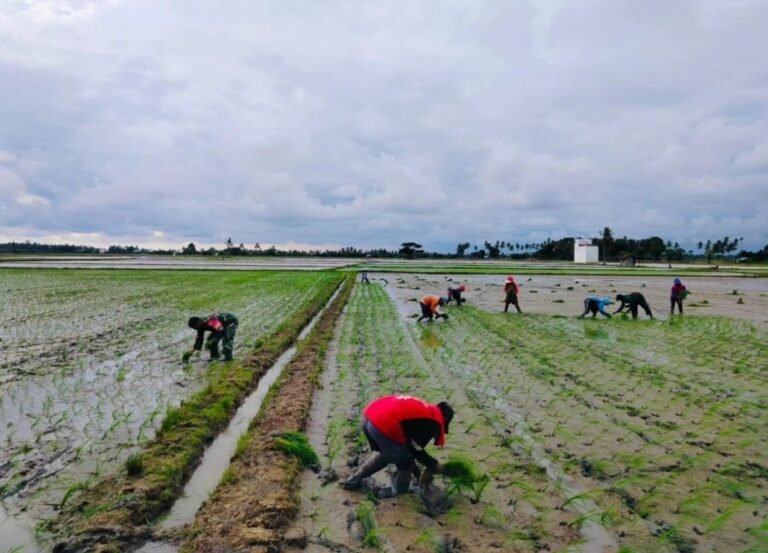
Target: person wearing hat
(430,308)
(633,301)
(455,294)
(676,297)
(595,304)
(222,327)
(511,289)
(398,428)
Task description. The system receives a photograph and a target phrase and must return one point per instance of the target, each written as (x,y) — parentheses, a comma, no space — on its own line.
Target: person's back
(633,301)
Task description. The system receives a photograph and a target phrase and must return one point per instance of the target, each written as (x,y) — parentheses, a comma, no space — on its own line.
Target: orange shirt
(433,302)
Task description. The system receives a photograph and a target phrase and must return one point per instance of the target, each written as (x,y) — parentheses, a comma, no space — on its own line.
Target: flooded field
(589,435)
(598,435)
(92,361)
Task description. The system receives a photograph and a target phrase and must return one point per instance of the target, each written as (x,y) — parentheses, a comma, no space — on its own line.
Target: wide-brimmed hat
(510,278)
(462,287)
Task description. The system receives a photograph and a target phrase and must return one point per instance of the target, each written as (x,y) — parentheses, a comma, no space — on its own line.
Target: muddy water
(14,535)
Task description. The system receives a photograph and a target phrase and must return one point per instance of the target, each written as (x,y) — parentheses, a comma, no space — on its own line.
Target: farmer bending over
(398,429)
(430,308)
(595,304)
(632,301)
(455,294)
(222,326)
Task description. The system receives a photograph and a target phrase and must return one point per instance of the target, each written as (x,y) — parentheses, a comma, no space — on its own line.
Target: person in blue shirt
(595,304)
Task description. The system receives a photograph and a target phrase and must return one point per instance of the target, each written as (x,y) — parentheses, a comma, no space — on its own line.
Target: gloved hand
(426,478)
(445,316)
(188,355)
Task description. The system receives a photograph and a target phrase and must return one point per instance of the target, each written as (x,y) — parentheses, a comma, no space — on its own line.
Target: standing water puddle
(218,455)
(15,536)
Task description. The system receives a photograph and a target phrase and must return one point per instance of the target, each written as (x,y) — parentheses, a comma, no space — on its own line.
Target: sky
(367,124)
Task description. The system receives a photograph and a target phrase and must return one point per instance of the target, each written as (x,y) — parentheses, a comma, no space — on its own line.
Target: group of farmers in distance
(399,427)
(430,304)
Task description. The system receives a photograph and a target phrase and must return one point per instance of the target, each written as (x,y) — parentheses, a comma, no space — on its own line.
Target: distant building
(584,251)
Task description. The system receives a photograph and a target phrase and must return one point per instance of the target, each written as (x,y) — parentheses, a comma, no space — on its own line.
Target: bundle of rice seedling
(461,474)
(297,445)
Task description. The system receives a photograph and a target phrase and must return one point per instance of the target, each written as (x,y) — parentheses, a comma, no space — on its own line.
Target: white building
(584,251)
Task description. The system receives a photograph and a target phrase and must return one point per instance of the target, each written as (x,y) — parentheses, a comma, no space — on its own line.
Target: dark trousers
(594,307)
(455,295)
(644,304)
(676,301)
(511,299)
(426,312)
(227,337)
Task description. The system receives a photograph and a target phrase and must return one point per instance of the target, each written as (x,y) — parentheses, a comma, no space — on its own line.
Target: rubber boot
(401,481)
(372,466)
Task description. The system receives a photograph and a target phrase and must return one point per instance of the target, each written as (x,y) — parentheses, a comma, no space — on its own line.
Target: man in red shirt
(398,428)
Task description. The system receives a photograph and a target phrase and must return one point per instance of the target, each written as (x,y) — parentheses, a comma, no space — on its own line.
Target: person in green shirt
(222,326)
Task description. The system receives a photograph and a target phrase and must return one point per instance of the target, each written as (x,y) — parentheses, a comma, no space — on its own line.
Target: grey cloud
(374,123)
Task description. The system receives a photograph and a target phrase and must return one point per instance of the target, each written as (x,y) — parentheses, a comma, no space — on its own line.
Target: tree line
(612,249)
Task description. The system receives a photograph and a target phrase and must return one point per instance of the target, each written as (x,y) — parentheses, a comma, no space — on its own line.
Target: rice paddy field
(91,363)
(592,435)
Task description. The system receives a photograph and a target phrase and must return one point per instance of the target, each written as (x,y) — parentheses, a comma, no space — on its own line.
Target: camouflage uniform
(222,327)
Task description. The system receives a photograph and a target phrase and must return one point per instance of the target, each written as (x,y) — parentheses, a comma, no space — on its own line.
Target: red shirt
(677,290)
(389,412)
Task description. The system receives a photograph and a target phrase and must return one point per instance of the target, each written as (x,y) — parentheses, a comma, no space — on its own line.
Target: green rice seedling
(120,376)
(297,445)
(429,538)
(371,534)
(491,516)
(718,522)
(135,465)
(72,490)
(461,474)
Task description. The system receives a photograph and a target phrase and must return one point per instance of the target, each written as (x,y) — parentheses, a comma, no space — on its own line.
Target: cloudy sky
(160,122)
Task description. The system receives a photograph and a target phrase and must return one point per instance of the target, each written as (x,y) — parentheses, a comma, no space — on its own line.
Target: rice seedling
(297,445)
(462,475)
(365,515)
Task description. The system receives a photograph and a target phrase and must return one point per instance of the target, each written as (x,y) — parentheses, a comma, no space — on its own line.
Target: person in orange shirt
(430,308)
